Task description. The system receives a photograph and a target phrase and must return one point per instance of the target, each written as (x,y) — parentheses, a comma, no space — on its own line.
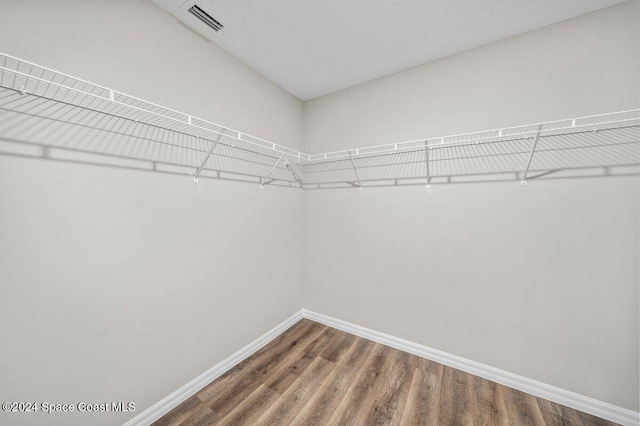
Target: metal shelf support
(426,163)
(355,171)
(533,150)
(213,147)
(264,180)
(293,173)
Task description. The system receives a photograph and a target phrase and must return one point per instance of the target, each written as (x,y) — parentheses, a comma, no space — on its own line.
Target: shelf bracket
(426,163)
(293,173)
(355,171)
(213,146)
(264,180)
(533,150)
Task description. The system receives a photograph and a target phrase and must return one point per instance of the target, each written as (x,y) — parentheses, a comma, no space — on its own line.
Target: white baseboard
(560,396)
(570,399)
(162,407)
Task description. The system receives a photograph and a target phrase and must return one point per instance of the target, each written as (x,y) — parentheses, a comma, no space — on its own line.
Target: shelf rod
(263,181)
(213,146)
(355,170)
(426,162)
(533,149)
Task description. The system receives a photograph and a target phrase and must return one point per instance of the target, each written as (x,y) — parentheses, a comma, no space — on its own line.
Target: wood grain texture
(252,408)
(323,403)
(359,397)
(422,399)
(285,409)
(316,375)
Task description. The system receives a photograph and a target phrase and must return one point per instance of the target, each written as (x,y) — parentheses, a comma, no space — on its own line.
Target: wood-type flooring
(316,375)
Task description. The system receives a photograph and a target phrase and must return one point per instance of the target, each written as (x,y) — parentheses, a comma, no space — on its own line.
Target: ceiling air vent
(206,18)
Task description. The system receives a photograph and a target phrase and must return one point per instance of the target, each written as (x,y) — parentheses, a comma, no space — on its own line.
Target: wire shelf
(49,110)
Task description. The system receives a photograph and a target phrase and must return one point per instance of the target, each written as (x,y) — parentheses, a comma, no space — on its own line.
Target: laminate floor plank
(524,408)
(570,416)
(274,351)
(201,417)
(423,363)
(324,402)
(503,411)
(224,398)
(338,346)
(283,411)
(585,418)
(446,399)
(314,375)
(250,410)
(348,412)
(421,407)
(484,408)
(392,390)
(589,419)
(464,397)
(192,408)
(432,367)
(298,361)
(549,413)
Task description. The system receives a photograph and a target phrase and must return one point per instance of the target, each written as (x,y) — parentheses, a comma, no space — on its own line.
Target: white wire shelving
(51,111)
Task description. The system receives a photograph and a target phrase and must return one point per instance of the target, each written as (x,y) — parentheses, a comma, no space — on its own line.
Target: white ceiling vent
(202,19)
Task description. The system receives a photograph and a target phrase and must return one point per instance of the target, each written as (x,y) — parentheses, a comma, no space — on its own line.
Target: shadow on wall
(37,126)
(606,145)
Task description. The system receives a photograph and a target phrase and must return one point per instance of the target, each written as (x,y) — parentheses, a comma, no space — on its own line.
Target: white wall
(123,285)
(540,280)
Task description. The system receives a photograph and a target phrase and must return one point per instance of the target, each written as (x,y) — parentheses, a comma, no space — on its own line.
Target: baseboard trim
(167,404)
(560,396)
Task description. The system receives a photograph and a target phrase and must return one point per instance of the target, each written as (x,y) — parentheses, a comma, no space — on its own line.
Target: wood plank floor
(317,375)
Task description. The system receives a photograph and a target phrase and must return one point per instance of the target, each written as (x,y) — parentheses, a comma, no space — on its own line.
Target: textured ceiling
(315,47)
